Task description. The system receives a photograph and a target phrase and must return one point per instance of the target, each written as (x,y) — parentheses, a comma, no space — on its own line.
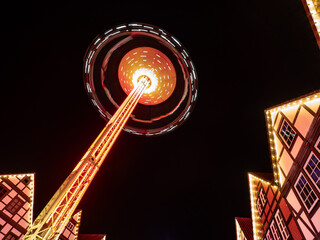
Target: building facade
(16,205)
(286,203)
(16,210)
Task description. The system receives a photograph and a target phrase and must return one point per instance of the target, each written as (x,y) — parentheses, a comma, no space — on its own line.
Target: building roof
(268,177)
(246,227)
(312,8)
(254,179)
(312,100)
(91,237)
(301,99)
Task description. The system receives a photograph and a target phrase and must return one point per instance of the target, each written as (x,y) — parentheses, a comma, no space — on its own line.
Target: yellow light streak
(60,208)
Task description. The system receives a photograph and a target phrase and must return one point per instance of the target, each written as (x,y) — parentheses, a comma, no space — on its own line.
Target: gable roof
(245,225)
(312,100)
(266,177)
(254,179)
(91,237)
(312,8)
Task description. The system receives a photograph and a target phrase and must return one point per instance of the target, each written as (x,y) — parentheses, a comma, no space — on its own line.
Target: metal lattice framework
(106,67)
(54,217)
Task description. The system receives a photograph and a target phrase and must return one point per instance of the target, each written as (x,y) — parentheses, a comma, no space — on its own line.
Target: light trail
(56,214)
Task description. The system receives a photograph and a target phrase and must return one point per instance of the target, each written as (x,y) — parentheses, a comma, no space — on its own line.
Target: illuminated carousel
(115,61)
(140,79)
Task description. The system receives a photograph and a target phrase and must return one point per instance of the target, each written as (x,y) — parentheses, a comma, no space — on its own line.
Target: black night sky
(189,184)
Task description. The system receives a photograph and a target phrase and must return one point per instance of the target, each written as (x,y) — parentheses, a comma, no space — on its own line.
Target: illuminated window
(259,207)
(10,236)
(262,197)
(275,231)
(3,191)
(306,193)
(287,133)
(282,225)
(312,167)
(26,180)
(317,145)
(268,236)
(70,226)
(261,201)
(14,205)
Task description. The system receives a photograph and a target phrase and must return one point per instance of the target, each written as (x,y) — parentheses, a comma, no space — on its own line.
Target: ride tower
(140,79)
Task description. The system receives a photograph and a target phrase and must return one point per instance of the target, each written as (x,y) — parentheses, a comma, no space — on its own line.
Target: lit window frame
(282,225)
(11,236)
(309,209)
(281,134)
(275,231)
(261,201)
(315,171)
(26,180)
(317,144)
(262,196)
(70,226)
(259,207)
(269,235)
(6,191)
(18,204)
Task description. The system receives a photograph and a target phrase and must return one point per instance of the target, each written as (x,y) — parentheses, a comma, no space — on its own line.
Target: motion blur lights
(152,63)
(144,72)
(120,56)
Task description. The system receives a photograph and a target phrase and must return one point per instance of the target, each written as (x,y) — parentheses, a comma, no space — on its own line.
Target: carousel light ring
(115,60)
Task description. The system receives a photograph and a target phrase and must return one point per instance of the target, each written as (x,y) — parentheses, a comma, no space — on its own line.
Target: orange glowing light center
(153,64)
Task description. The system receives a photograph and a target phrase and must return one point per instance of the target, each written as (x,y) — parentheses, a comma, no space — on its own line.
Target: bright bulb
(150,74)
(154,65)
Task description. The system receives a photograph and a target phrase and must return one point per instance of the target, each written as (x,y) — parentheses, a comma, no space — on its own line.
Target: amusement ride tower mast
(151,73)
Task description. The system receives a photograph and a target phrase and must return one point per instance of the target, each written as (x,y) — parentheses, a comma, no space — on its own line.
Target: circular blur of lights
(156,66)
(119,55)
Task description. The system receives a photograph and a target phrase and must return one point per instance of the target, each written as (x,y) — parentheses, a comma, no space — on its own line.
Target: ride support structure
(56,214)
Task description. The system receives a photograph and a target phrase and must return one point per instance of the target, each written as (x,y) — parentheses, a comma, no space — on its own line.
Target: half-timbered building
(16,205)
(286,204)
(16,210)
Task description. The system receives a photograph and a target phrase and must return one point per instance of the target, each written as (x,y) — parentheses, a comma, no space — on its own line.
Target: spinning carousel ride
(140,79)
